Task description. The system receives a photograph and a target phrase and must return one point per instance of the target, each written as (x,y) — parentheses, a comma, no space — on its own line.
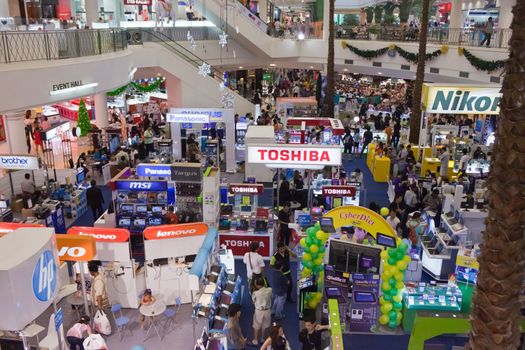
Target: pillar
(505,13)
(15,132)
(263,10)
(4,9)
(91,12)
(101,110)
(455,15)
(174,90)
(326,19)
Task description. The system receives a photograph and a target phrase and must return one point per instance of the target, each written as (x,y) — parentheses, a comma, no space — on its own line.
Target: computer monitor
(124,222)
(246,208)
(346,256)
(157,209)
(154,221)
(126,208)
(261,226)
(327,224)
(139,223)
(334,293)
(226,209)
(81,175)
(141,209)
(384,240)
(364,297)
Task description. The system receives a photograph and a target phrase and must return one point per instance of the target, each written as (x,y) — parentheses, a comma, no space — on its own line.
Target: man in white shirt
(411,198)
(254,264)
(444,158)
(463,162)
(393,220)
(99,294)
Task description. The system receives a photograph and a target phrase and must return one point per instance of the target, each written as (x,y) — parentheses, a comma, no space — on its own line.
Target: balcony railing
(452,36)
(21,46)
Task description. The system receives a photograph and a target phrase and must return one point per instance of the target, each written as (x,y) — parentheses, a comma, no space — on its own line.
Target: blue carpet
(87,218)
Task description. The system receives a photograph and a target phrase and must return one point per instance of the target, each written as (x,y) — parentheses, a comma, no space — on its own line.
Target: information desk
(429,298)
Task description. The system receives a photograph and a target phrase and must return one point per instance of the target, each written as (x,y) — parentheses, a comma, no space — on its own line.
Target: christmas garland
(368,54)
(412,57)
(481,64)
(138,86)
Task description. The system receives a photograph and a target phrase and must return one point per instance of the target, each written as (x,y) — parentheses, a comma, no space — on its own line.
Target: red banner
(137,2)
(101,234)
(339,191)
(6,227)
(175,231)
(240,244)
(246,189)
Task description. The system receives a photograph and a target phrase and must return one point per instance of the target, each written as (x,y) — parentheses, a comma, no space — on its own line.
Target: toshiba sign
(298,156)
(101,234)
(338,191)
(175,231)
(245,189)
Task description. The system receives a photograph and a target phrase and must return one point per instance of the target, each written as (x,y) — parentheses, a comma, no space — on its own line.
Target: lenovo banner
(101,234)
(76,248)
(175,231)
(338,191)
(240,244)
(295,156)
(246,189)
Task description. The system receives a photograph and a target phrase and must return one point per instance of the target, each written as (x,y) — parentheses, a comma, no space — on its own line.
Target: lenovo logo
(73,252)
(161,234)
(175,231)
(99,236)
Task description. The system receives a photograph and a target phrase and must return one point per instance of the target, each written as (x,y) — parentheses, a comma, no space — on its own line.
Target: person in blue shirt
(279,288)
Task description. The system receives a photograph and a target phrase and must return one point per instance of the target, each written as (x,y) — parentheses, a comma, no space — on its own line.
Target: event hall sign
(294,156)
(483,99)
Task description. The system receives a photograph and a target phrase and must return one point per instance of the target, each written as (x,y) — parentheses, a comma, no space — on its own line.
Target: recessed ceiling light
(311,67)
(272,64)
(240,67)
(346,69)
(379,73)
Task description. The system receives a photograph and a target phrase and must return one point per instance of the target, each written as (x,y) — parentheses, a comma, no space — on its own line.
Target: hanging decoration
(227,100)
(368,54)
(145,85)
(204,69)
(395,262)
(223,39)
(481,64)
(312,261)
(413,57)
(193,44)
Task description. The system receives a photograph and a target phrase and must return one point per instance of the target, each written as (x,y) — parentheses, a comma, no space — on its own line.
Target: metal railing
(21,46)
(452,36)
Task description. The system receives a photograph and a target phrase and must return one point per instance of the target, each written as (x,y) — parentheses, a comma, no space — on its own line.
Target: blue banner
(131,185)
(159,170)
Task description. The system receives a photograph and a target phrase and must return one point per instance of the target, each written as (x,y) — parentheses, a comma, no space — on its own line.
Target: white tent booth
(180,117)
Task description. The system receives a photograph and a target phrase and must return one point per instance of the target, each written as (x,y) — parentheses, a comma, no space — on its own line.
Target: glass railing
(452,36)
(46,45)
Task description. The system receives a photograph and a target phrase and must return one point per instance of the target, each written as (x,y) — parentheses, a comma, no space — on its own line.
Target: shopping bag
(101,323)
(94,342)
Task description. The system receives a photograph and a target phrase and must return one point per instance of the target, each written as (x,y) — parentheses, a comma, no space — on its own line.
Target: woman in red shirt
(38,139)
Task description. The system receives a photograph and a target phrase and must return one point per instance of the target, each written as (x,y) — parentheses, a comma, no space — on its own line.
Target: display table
(381,169)
(429,298)
(427,152)
(371,153)
(433,164)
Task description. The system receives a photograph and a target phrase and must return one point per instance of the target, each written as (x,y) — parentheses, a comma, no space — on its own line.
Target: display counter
(429,298)
(245,229)
(433,164)
(422,152)
(379,165)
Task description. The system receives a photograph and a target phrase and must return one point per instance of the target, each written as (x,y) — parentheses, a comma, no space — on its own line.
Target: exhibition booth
(295,107)
(298,129)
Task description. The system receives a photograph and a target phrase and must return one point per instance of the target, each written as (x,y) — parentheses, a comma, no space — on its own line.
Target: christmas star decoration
(193,44)
(189,37)
(227,99)
(223,39)
(222,86)
(204,69)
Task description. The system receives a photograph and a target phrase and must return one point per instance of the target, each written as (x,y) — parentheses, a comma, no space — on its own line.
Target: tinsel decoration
(204,69)
(223,39)
(368,54)
(412,57)
(481,64)
(140,87)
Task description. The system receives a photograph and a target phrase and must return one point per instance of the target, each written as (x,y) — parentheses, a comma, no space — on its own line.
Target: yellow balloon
(400,285)
(401,265)
(384,319)
(307,257)
(384,211)
(382,300)
(384,255)
(398,276)
(306,272)
(318,261)
(393,270)
(314,249)
(386,308)
(386,274)
(397,298)
(312,304)
(302,242)
(319,234)
(407,259)
(386,286)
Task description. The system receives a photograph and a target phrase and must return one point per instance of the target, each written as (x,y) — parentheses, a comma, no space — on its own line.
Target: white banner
(187,118)
(19,162)
(461,99)
(300,156)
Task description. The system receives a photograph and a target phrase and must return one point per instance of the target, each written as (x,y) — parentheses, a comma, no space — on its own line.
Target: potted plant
(374,31)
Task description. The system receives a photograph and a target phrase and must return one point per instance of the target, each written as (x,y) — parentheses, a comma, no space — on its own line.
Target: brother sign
(18,162)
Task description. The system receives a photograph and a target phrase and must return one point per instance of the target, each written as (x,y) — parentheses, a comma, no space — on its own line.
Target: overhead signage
(338,191)
(137,2)
(213,114)
(365,219)
(101,234)
(186,172)
(240,244)
(246,189)
(57,130)
(15,162)
(154,170)
(70,86)
(67,85)
(461,99)
(187,118)
(137,185)
(295,156)
(7,227)
(76,248)
(175,231)
(45,277)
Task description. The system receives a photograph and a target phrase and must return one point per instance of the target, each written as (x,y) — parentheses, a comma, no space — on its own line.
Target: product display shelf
(211,196)
(74,201)
(221,291)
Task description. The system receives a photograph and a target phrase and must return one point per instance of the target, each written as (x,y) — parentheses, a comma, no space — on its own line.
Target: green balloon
(392,291)
(398,306)
(307,249)
(392,281)
(308,264)
(322,248)
(400,255)
(403,247)
(391,252)
(392,315)
(318,268)
(391,261)
(387,297)
(392,324)
(309,241)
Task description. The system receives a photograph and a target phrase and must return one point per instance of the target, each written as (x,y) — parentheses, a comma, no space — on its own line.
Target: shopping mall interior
(323,185)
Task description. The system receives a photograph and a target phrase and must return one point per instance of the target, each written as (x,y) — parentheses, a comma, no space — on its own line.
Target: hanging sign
(175,231)
(57,130)
(187,118)
(134,185)
(364,218)
(186,172)
(338,191)
(461,99)
(295,156)
(246,189)
(159,170)
(15,162)
(212,114)
(76,248)
(101,234)
(240,244)
(137,2)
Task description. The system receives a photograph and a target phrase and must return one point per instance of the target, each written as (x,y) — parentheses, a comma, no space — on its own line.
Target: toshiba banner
(338,191)
(295,156)
(76,248)
(246,189)
(240,244)
(101,234)
(176,231)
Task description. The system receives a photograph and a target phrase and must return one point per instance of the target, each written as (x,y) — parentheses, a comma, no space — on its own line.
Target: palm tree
(415,117)
(496,306)
(330,69)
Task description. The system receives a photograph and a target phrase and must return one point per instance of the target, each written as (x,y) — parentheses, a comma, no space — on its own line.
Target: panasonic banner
(16,162)
(154,170)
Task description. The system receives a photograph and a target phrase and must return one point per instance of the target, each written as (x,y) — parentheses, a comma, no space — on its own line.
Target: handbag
(94,342)
(101,323)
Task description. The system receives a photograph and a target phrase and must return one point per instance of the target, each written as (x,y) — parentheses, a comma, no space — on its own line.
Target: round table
(77,301)
(152,311)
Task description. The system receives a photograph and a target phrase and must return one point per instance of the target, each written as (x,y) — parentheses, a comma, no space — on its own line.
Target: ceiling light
(272,64)
(346,69)
(356,119)
(311,67)
(300,36)
(240,67)
(379,73)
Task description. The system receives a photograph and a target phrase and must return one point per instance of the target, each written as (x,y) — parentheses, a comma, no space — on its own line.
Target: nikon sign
(461,99)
